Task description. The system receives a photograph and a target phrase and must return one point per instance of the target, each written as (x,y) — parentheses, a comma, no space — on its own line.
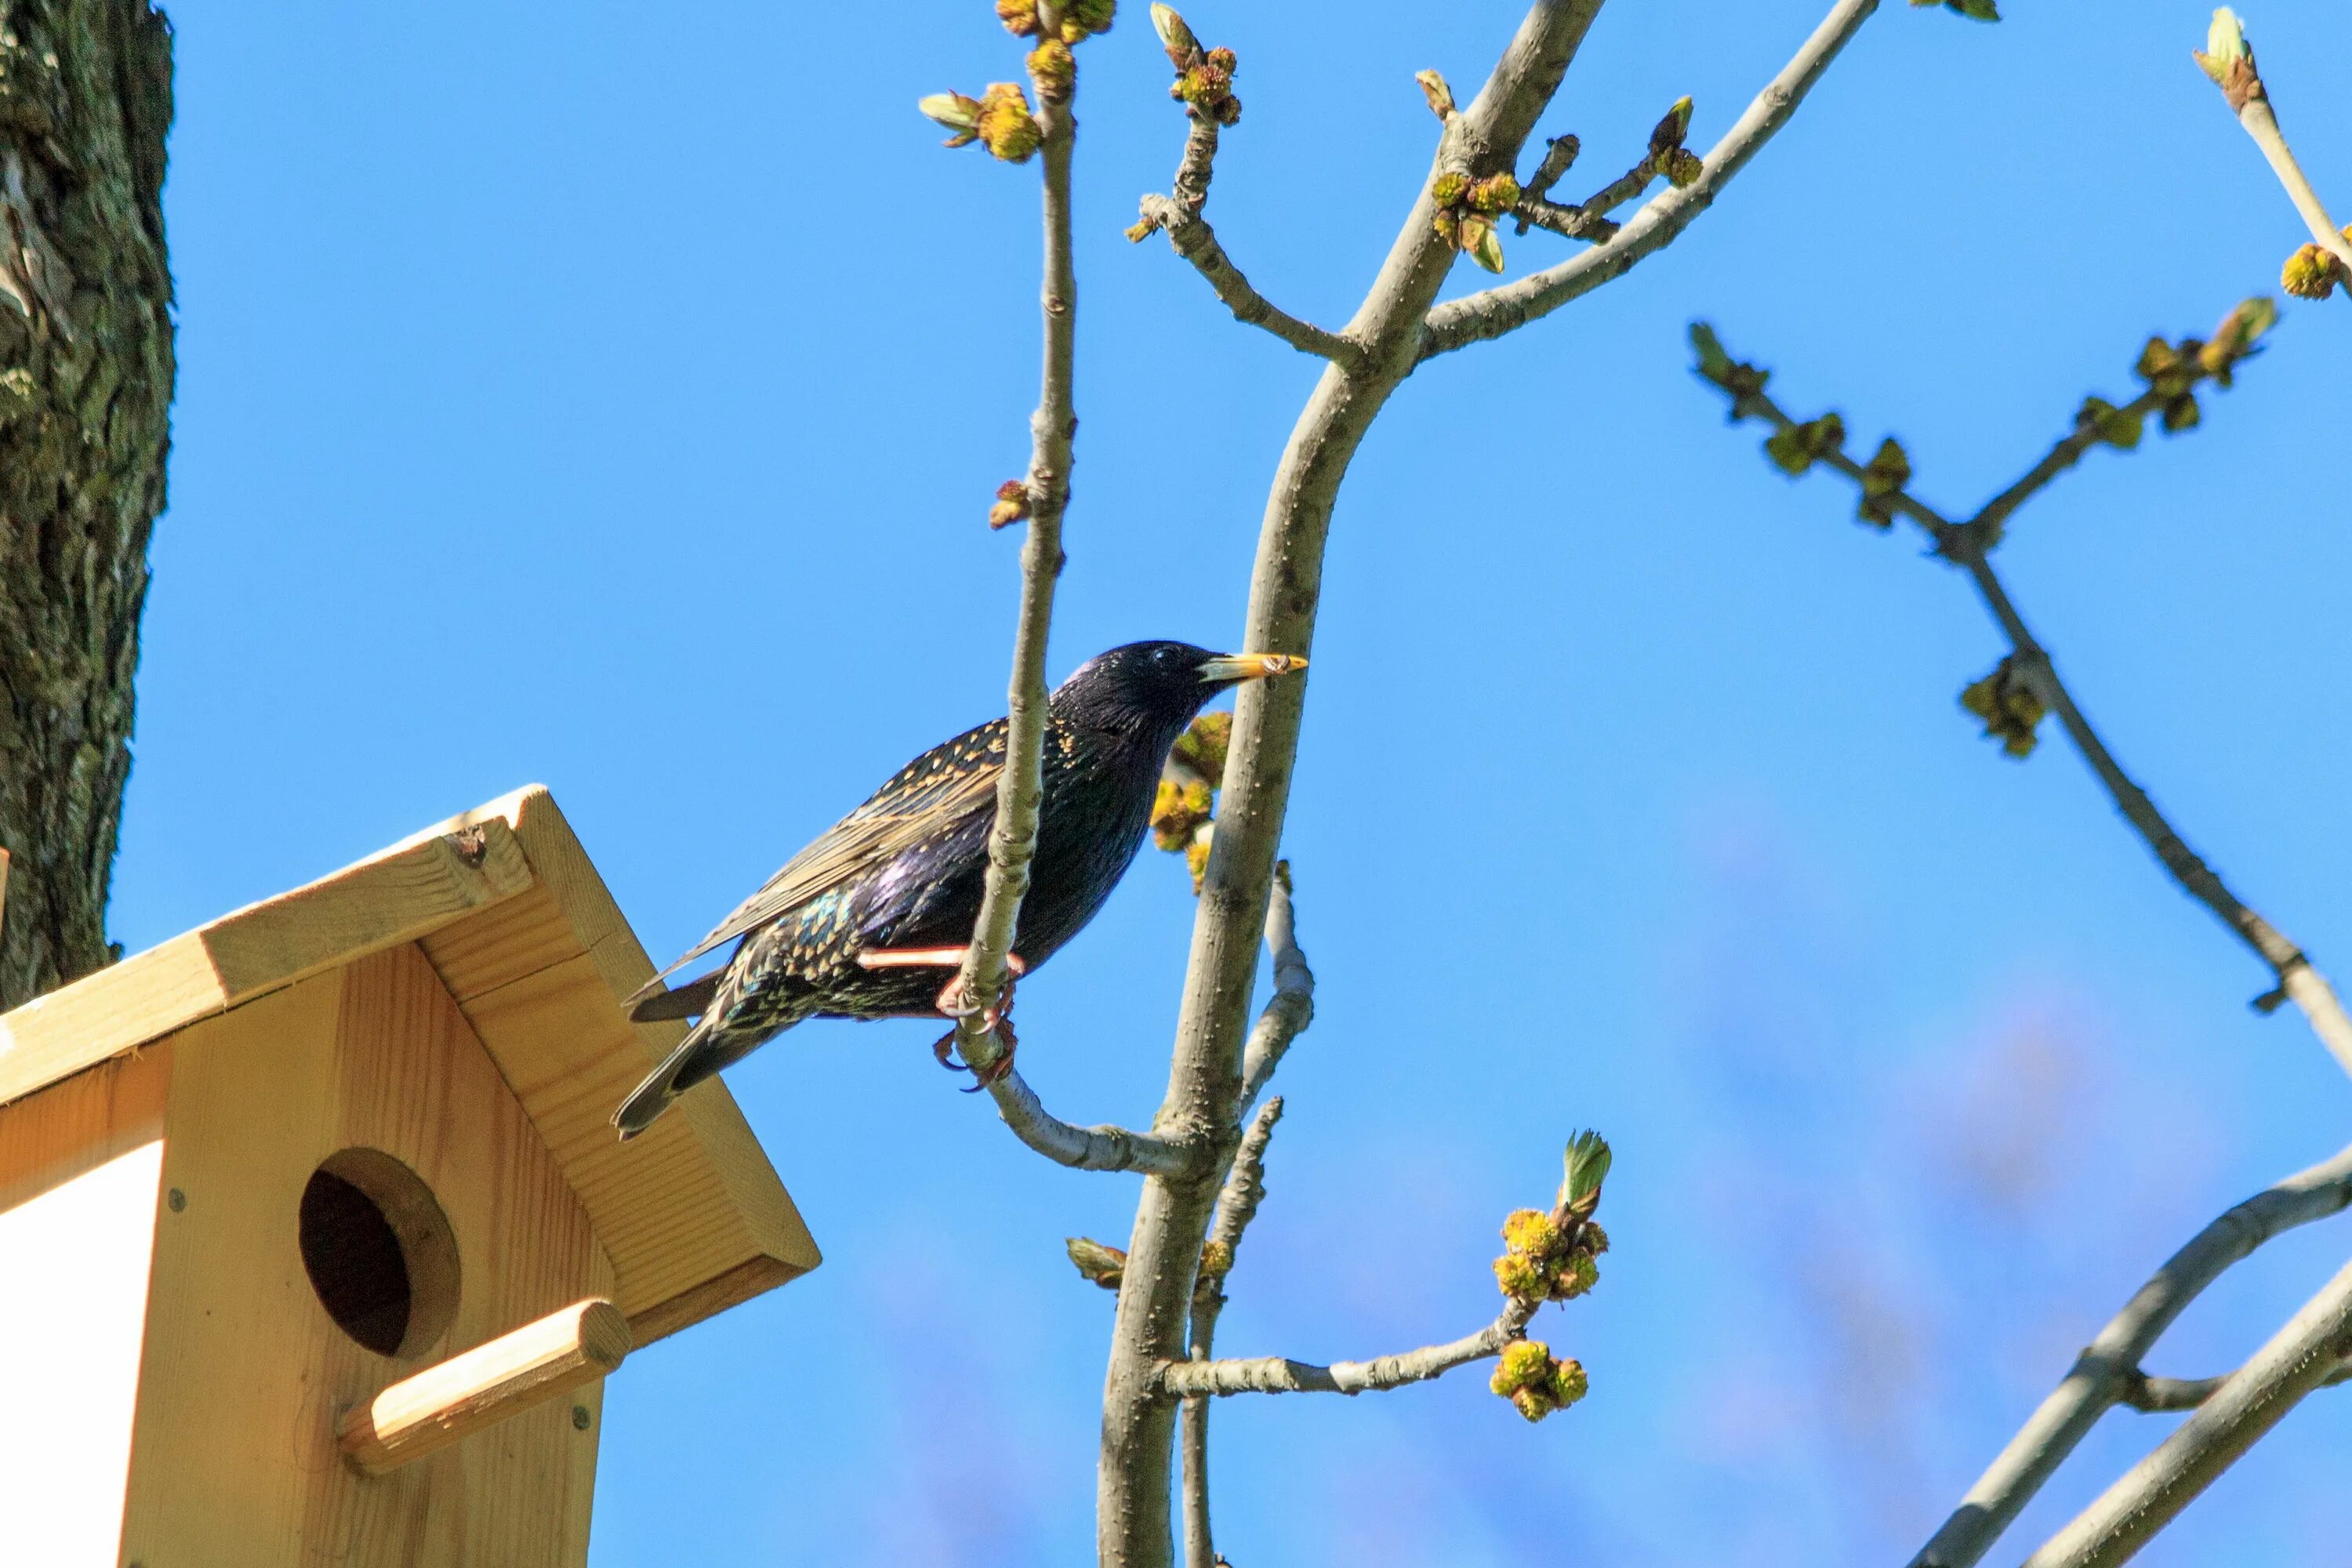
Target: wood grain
(236,1458)
(519,1371)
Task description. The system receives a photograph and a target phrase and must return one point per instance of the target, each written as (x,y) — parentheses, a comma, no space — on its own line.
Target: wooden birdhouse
(315,1244)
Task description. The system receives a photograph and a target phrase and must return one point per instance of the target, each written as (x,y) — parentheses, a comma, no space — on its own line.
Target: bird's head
(1149,687)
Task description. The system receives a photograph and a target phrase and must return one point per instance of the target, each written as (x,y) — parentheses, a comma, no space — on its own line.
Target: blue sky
(613,402)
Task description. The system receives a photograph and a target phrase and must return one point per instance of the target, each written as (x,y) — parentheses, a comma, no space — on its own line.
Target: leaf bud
(1440,96)
(1100,1264)
(956,112)
(1175,36)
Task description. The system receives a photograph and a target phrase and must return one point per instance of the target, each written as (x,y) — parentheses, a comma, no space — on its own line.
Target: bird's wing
(942,787)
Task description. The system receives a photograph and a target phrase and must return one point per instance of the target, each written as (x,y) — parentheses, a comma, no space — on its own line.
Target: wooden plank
(236,1458)
(691,1202)
(384,901)
(79,1166)
(521,1370)
(665,1207)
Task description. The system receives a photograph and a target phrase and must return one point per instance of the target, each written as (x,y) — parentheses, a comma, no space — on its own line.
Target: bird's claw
(995,1020)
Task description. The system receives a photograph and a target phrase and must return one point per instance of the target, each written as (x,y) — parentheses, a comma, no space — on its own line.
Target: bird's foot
(1001,1027)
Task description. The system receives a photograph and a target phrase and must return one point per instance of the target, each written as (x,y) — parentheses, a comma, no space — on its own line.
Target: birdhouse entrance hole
(378,1252)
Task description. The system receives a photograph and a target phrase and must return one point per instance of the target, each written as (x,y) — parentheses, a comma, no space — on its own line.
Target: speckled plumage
(905,869)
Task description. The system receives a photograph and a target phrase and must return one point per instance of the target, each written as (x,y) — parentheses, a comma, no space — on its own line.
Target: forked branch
(2172,376)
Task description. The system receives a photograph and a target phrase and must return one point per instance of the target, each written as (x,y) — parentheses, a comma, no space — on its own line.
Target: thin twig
(1569,223)
(1964,546)
(1196,242)
(2154,1395)
(1238,1202)
(2263,127)
(1492,312)
(1280,1374)
(2252,1400)
(1289,1010)
(1984,529)
(1019,791)
(1083,1147)
(2101,1375)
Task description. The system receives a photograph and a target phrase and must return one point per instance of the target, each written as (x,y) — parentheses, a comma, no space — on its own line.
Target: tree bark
(86,369)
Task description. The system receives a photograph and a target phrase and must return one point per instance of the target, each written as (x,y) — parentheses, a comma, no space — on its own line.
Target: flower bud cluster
(2009,706)
(1883,477)
(1548,1256)
(1668,156)
(1079,18)
(1184,808)
(1466,211)
(1800,447)
(2312,272)
(1205,78)
(1011,504)
(999,120)
(1536,1385)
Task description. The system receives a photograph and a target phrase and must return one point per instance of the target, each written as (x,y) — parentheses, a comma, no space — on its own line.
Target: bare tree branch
(1492,312)
(1083,1147)
(1014,837)
(1984,529)
(1237,1202)
(2102,1375)
(1196,242)
(2274,1379)
(2232,67)
(1205,1072)
(1290,1009)
(2142,1392)
(1280,1374)
(1965,546)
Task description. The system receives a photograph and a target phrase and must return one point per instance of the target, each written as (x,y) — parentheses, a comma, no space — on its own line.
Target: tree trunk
(84,392)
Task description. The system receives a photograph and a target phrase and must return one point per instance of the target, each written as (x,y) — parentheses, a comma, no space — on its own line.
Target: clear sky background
(612,399)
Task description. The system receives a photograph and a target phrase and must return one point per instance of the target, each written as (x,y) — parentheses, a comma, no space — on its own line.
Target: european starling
(873,919)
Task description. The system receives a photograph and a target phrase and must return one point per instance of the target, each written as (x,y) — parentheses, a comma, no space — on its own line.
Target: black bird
(874,917)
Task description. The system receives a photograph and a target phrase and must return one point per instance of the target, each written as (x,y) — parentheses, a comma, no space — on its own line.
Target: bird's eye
(1166,656)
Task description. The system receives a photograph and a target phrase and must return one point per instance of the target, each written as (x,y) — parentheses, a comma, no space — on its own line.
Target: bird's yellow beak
(1228,668)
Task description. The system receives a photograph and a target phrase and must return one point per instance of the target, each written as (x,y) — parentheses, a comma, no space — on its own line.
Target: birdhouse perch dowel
(514,1373)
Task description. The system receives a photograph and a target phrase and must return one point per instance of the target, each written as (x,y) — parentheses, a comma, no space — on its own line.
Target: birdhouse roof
(505,904)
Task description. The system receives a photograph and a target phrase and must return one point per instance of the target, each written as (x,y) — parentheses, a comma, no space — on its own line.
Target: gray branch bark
(1280,1374)
(1492,312)
(2104,1373)
(1237,1202)
(2299,1358)
(1082,1148)
(86,371)
(1204,1080)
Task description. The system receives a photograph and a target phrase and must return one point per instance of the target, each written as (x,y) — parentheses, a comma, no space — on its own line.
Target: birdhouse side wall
(80,1164)
(234,1458)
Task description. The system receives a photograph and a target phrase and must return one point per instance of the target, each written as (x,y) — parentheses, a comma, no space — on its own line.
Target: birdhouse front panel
(352,1193)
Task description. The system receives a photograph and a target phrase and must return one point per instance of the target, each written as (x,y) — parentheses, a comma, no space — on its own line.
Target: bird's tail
(650,1099)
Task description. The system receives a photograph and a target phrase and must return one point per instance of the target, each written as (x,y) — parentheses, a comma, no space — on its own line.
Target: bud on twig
(956,112)
(1183,49)
(2009,706)
(1011,504)
(2229,60)
(1103,1265)
(1440,96)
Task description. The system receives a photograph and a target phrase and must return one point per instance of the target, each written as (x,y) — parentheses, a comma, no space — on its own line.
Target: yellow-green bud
(1797,448)
(1530,1231)
(1103,1266)
(1448,224)
(1593,1238)
(1053,69)
(1196,859)
(2181,414)
(1681,166)
(1569,1383)
(2235,338)
(1081,19)
(2117,427)
(1175,36)
(2009,706)
(956,112)
(1140,230)
(2311,273)
(1494,194)
(1520,1277)
(1202,747)
(1176,810)
(1668,134)
(1482,244)
(1216,1262)
(1440,96)
(1575,1277)
(1448,189)
(1006,128)
(1523,1364)
(1019,16)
